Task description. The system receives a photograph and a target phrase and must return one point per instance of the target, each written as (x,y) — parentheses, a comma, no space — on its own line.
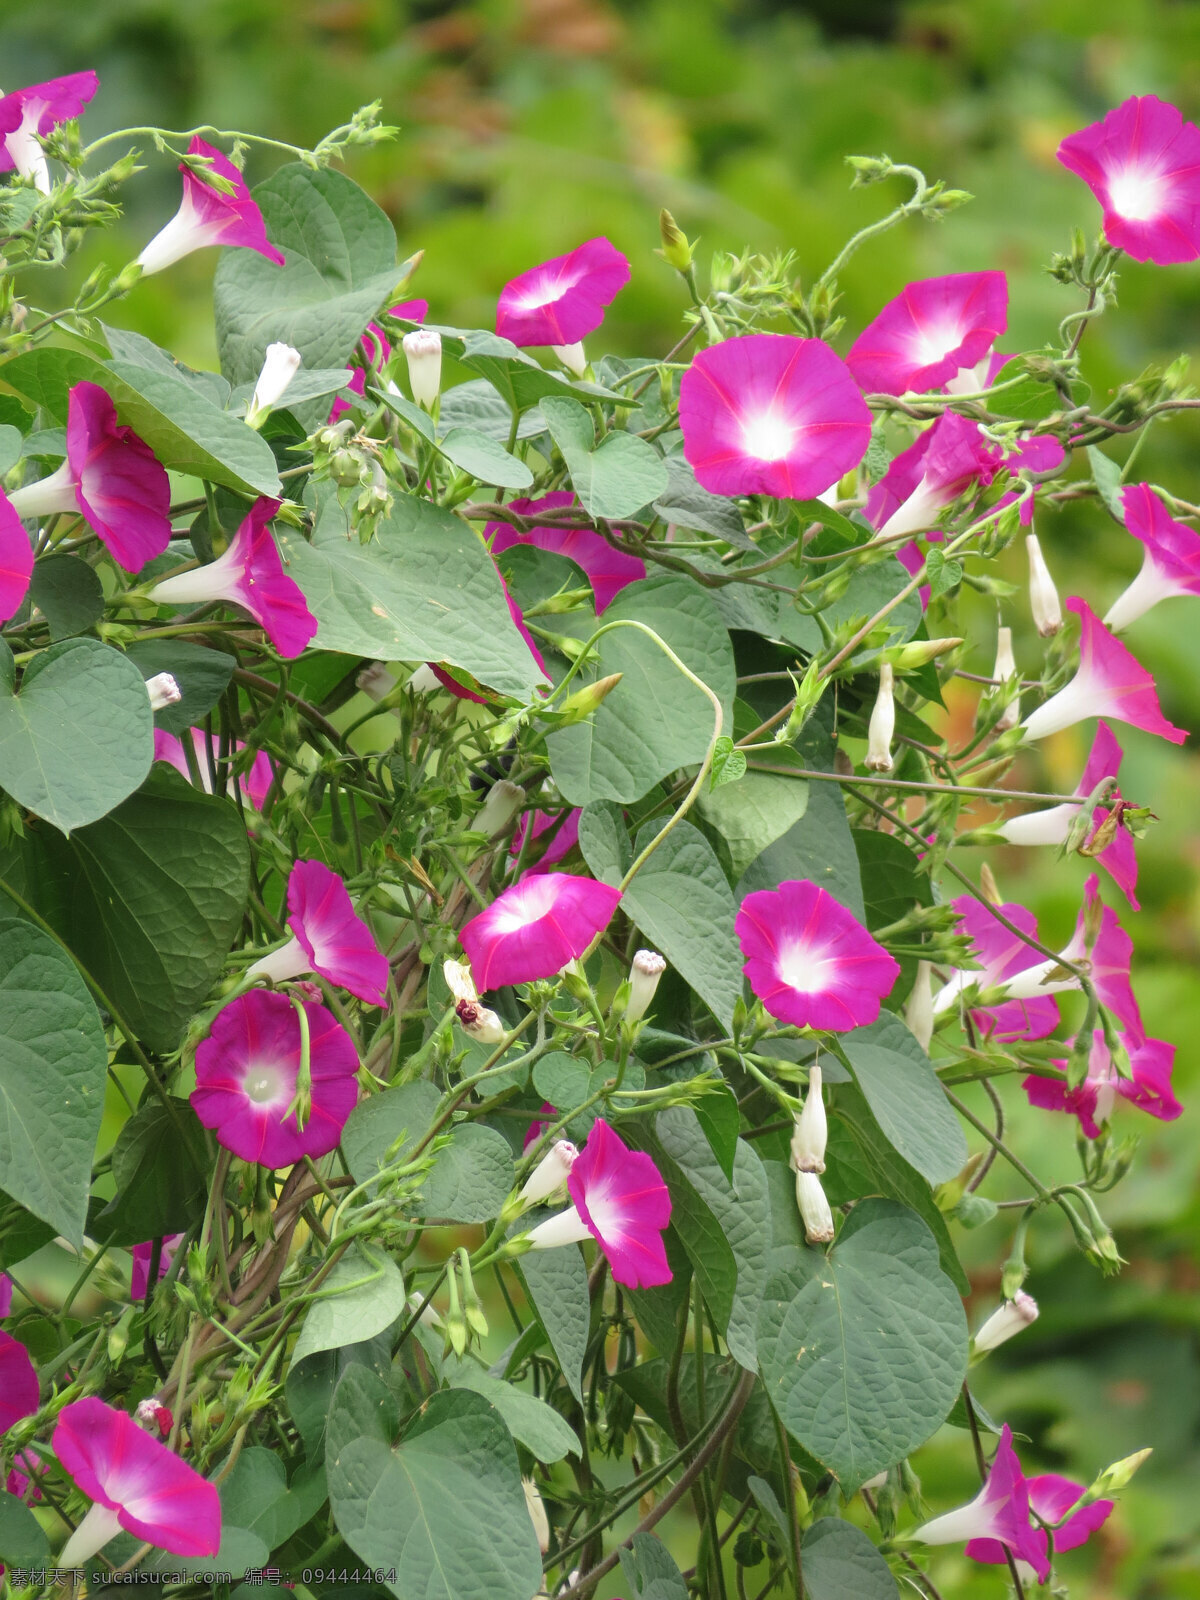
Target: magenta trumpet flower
(1149,1088)
(1142,162)
(929,332)
(143,1254)
(954,458)
(1002,955)
(566,836)
(768,413)
(811,962)
(111,478)
(1053,825)
(328,937)
(999,1512)
(254,784)
(16,559)
(135,1482)
(1051,1497)
(18,1383)
(250,575)
(621,1201)
(1170,557)
(535,927)
(206,216)
(1110,682)
(249,1086)
(27,113)
(563,300)
(6,1294)
(607,570)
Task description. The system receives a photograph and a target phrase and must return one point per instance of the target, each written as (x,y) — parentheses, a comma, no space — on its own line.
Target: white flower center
(933,343)
(263,1083)
(803,969)
(768,437)
(528,904)
(1136,194)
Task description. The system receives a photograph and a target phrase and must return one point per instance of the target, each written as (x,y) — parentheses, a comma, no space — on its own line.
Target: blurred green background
(528,125)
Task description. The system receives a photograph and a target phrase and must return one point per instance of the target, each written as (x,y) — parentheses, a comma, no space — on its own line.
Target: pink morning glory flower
(563,300)
(621,1201)
(1054,824)
(143,1254)
(27,113)
(253,784)
(537,1129)
(954,457)
(1050,1497)
(206,216)
(1170,557)
(1110,682)
(18,1382)
(535,927)
(6,1294)
(935,327)
(768,413)
(1002,955)
(111,478)
(22,1479)
(248,1079)
(565,839)
(376,351)
(1149,1087)
(328,937)
(250,575)
(607,570)
(1142,162)
(135,1482)
(809,960)
(999,1512)
(16,559)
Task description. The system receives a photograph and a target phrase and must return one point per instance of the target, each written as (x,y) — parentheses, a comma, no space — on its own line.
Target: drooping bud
(644,972)
(163,691)
(537,1514)
(572,357)
(883,723)
(814,1208)
(811,1132)
(504,800)
(918,1013)
(375,681)
(280,365)
(1005,670)
(1009,1319)
(1043,596)
(550,1174)
(423,351)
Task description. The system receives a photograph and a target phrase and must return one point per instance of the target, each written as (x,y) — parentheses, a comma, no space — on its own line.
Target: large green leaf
(513,373)
(363,1295)
(531,1421)
(339,271)
(397,1117)
(758,808)
(159,1167)
(68,593)
(480,455)
(53,1065)
(613,479)
(556,1282)
(79,736)
(863,1349)
(654,721)
(471,1178)
(201,674)
(444,1506)
(256,1496)
(150,898)
(841,1563)
(650,1570)
(905,1094)
(424,589)
(22,1541)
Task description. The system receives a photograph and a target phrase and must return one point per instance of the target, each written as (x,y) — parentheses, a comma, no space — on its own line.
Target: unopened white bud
(423,351)
(280,365)
(1043,596)
(375,681)
(645,971)
(572,357)
(918,1013)
(883,723)
(811,1132)
(1005,670)
(550,1174)
(163,691)
(814,1208)
(459,980)
(537,1514)
(424,680)
(1009,1319)
(504,800)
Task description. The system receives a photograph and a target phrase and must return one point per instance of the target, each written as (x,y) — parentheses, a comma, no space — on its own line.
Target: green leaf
(517,377)
(841,1563)
(647,1384)
(685,503)
(135,348)
(721,1118)
(907,1098)
(21,1233)
(682,902)
(339,270)
(1106,475)
(375,1124)
(654,720)
(479,405)
(650,1570)
(563,1080)
(531,1421)
(471,1178)
(478,454)
(893,882)
(149,899)
(444,1506)
(22,1541)
(78,737)
(760,808)
(863,1350)
(202,675)
(1031,401)
(424,589)
(68,593)
(604,841)
(728,763)
(12,444)
(160,1176)
(53,1067)
(256,1496)
(943,575)
(363,1295)
(614,479)
(556,1282)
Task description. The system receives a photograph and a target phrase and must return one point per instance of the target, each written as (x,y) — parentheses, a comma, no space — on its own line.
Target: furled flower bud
(1043,596)
(280,365)
(1114,1478)
(676,246)
(814,1208)
(883,723)
(1004,670)
(1008,1319)
(550,1173)
(163,691)
(918,1013)
(423,351)
(424,680)
(572,357)
(375,681)
(504,800)
(579,706)
(537,1514)
(811,1131)
(646,969)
